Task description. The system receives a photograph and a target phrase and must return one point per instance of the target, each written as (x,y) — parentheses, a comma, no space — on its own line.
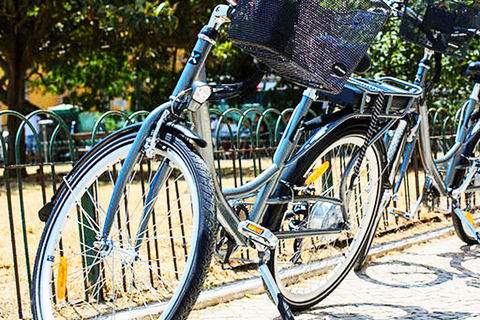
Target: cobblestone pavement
(436,280)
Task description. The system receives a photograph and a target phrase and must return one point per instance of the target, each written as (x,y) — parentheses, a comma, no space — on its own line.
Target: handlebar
(239,89)
(400,8)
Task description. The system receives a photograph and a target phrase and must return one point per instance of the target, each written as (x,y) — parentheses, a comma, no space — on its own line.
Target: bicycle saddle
(364,65)
(473,69)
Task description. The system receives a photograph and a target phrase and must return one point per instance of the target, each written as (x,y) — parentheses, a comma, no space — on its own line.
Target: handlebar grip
(239,89)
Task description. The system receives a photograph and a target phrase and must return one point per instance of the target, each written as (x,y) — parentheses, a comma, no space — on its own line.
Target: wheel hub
(109,248)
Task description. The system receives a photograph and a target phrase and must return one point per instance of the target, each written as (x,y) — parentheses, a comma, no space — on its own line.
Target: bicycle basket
(446,26)
(315,43)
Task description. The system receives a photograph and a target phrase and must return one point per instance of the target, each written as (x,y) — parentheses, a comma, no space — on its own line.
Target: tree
(138,63)
(392,55)
(144,72)
(37,34)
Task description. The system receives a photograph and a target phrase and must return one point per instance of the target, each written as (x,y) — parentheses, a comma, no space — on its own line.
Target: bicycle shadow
(402,274)
(467,263)
(372,311)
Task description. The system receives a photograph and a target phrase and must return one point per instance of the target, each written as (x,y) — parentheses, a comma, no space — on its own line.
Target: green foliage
(101,54)
(393,56)
(130,50)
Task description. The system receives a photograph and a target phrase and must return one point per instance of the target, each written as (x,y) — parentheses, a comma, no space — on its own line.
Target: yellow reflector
(62,278)
(398,212)
(318,173)
(469,217)
(255,228)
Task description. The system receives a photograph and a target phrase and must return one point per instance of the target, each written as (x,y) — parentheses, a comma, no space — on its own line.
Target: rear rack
(361,94)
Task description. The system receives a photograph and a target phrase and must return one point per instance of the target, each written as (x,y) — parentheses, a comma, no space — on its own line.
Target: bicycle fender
(186,134)
(308,149)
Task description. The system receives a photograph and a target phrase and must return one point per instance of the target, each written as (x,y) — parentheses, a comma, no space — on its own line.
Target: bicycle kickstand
(266,242)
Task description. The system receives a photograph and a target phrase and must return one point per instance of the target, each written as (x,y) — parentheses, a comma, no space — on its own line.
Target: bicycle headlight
(201,93)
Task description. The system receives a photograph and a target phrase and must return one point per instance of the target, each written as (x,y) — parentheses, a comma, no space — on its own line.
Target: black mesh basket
(446,26)
(315,43)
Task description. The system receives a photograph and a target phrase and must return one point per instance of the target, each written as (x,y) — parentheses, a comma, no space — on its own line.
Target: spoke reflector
(469,217)
(318,173)
(62,278)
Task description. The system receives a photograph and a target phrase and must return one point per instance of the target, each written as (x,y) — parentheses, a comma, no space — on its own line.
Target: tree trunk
(18,63)
(16,99)
(16,96)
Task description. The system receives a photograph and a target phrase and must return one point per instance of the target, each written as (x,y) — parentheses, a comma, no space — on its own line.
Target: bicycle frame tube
(206,41)
(268,180)
(461,135)
(444,186)
(426,151)
(284,151)
(422,132)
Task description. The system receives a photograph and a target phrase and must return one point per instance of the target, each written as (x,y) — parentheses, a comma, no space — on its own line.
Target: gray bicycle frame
(421,131)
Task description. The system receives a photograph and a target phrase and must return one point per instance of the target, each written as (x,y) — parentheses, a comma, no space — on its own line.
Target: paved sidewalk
(436,280)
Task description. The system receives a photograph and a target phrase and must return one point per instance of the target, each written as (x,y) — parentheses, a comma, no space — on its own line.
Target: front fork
(158,181)
(129,164)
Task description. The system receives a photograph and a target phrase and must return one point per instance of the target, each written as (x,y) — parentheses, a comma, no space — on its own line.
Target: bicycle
(460,162)
(315,207)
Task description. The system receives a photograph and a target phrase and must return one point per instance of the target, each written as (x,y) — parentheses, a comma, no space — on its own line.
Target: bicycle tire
(354,134)
(472,149)
(392,148)
(150,290)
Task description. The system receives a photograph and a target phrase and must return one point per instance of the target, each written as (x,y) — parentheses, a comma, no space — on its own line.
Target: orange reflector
(62,278)
(400,213)
(318,173)
(469,217)
(255,228)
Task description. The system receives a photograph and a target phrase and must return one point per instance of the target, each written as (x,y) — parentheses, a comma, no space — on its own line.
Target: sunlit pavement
(435,280)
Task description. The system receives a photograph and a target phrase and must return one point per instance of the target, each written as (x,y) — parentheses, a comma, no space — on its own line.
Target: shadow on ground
(367,311)
(402,274)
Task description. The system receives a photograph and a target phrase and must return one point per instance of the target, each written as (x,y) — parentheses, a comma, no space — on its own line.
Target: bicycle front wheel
(308,268)
(153,265)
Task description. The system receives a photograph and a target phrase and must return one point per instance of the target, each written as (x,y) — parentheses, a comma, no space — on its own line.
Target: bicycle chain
(370,133)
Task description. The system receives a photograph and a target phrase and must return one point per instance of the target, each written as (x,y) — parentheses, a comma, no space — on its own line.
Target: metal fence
(244,142)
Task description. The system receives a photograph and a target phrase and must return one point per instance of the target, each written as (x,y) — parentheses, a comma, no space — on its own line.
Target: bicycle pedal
(259,235)
(401,213)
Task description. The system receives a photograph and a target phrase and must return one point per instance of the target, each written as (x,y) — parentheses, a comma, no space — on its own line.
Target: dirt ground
(32,195)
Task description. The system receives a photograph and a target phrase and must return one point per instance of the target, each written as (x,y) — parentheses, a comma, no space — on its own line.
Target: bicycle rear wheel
(308,268)
(161,276)
(470,202)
